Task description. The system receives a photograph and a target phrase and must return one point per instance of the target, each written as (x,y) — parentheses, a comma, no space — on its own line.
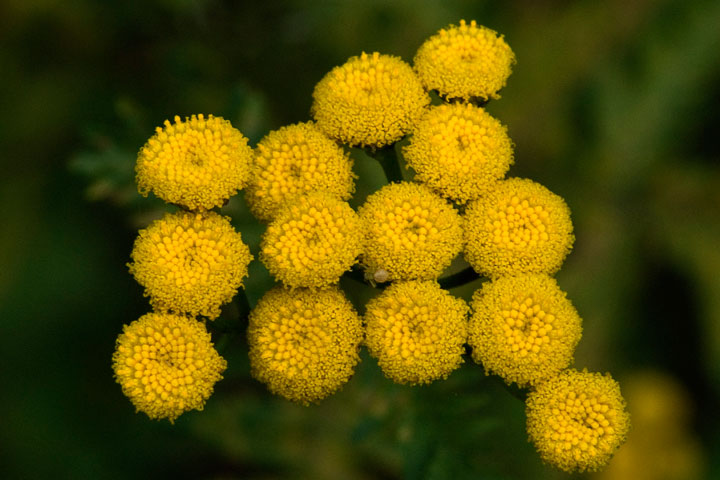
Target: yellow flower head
(190,262)
(198,163)
(464,62)
(371,100)
(166,364)
(523,328)
(304,343)
(416,330)
(411,232)
(312,241)
(459,150)
(296,160)
(577,420)
(518,226)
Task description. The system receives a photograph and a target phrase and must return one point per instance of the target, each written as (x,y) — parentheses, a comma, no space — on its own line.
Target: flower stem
(387,157)
(457,279)
(243,304)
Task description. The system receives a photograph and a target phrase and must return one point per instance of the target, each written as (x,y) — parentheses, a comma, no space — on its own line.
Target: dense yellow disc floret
(190,262)
(577,420)
(465,61)
(296,160)
(523,328)
(371,100)
(411,232)
(312,241)
(198,163)
(304,343)
(518,226)
(459,150)
(166,364)
(416,330)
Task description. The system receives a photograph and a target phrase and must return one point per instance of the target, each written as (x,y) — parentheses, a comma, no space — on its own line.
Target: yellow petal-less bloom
(312,241)
(166,364)
(465,61)
(518,226)
(416,330)
(295,160)
(198,163)
(577,420)
(304,343)
(411,232)
(190,262)
(523,328)
(459,150)
(371,100)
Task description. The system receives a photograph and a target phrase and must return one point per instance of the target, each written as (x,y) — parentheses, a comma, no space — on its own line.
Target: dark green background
(613,105)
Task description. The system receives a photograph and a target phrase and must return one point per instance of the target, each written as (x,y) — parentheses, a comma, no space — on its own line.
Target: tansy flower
(166,364)
(518,226)
(295,160)
(459,150)
(312,241)
(523,328)
(411,232)
(198,163)
(416,330)
(464,62)
(190,262)
(304,343)
(371,100)
(577,420)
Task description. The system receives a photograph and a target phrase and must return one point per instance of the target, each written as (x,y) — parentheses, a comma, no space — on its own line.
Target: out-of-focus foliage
(612,105)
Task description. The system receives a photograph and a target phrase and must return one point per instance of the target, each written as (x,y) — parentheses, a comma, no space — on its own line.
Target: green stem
(243,304)
(457,279)
(387,157)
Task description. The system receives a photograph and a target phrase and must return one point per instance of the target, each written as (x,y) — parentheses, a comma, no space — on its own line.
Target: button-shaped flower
(198,163)
(296,160)
(416,330)
(190,262)
(577,420)
(465,61)
(518,226)
(371,100)
(304,343)
(523,328)
(411,232)
(459,150)
(166,364)
(312,241)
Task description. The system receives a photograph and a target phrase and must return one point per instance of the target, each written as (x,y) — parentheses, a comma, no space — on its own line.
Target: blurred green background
(613,105)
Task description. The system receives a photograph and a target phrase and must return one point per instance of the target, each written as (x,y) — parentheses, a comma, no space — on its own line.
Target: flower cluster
(304,335)
(190,263)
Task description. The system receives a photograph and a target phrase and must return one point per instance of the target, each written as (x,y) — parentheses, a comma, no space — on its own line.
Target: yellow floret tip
(577,420)
(411,232)
(416,330)
(198,163)
(304,343)
(166,365)
(523,328)
(466,61)
(459,150)
(296,160)
(312,241)
(190,262)
(518,226)
(371,100)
